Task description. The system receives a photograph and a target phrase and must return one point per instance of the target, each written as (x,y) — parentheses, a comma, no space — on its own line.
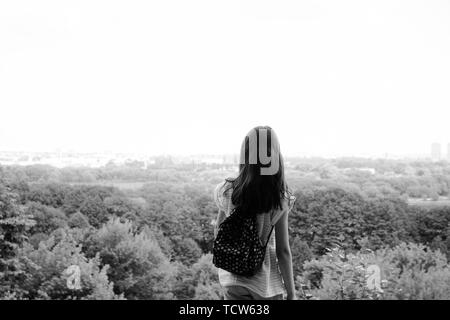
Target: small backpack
(237,247)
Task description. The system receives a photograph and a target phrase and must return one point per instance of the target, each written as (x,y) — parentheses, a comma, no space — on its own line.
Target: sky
(332,78)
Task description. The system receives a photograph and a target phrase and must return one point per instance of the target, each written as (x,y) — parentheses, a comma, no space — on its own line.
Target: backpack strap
(276,217)
(273,221)
(285,210)
(268,238)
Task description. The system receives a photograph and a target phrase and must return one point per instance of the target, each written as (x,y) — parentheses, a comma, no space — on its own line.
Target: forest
(147,232)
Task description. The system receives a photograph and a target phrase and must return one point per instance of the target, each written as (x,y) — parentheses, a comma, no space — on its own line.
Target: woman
(260,189)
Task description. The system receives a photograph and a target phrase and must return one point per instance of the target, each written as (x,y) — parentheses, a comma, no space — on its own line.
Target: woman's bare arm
(284,255)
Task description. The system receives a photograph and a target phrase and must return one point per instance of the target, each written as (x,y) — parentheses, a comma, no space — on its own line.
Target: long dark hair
(253,191)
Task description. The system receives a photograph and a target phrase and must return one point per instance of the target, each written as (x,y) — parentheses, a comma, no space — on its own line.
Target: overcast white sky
(331,77)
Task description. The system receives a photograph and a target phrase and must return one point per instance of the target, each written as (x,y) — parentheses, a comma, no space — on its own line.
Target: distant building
(436,151)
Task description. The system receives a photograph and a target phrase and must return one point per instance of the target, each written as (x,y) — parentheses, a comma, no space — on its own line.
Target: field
(122,185)
(441,202)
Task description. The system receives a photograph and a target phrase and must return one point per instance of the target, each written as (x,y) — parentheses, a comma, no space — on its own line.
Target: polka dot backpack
(237,247)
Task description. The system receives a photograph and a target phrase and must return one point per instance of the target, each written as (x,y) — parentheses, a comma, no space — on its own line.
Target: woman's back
(260,190)
(267,282)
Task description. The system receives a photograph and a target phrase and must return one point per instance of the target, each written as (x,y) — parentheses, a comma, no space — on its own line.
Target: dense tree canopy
(140,233)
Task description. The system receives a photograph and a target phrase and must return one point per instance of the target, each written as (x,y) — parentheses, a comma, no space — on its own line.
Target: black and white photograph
(204,150)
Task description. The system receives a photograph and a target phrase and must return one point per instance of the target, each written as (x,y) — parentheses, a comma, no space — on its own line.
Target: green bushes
(45,276)
(137,266)
(47,219)
(326,217)
(300,254)
(430,226)
(408,271)
(14,225)
(124,249)
(206,280)
(155,242)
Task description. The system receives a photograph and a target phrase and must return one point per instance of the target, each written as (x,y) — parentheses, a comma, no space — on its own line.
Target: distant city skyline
(61,159)
(65,152)
(422,151)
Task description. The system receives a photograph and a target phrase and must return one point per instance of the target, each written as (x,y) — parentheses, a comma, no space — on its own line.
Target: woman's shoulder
(289,199)
(223,186)
(287,203)
(222,192)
